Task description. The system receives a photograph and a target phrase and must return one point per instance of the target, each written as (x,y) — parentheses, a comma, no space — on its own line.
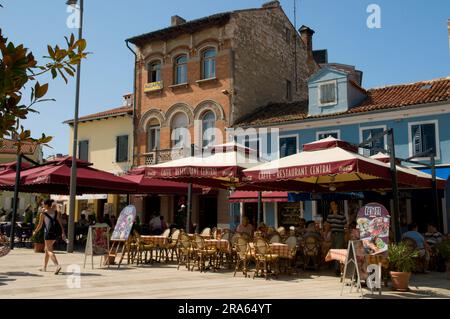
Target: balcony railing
(162,156)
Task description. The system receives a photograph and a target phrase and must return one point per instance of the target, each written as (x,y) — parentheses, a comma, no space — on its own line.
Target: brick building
(212,71)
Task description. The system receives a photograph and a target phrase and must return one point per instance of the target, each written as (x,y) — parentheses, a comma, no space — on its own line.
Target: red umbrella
(221,169)
(156,186)
(54,178)
(328,165)
(6,168)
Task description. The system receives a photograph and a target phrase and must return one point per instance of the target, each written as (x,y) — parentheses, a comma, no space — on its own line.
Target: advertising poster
(124,223)
(373,223)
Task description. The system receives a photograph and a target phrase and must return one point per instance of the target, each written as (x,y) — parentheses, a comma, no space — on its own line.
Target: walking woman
(51,221)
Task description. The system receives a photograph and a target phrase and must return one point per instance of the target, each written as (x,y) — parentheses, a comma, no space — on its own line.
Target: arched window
(153,131)
(179,130)
(209,64)
(181,69)
(154,71)
(208,125)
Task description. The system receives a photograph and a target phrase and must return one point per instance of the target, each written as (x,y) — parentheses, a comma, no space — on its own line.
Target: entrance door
(251,211)
(207,212)
(152,206)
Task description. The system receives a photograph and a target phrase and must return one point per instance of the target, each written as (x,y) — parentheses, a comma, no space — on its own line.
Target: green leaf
(81,44)
(40,91)
(54,73)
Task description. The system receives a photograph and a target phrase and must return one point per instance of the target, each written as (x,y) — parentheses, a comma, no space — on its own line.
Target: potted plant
(401,262)
(443,249)
(38,240)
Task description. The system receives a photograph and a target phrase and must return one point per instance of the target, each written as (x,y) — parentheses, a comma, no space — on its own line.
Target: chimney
(176,20)
(306,34)
(271,4)
(128,99)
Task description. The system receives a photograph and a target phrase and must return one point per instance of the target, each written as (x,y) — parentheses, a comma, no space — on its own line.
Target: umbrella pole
(435,195)
(258,220)
(396,211)
(189,199)
(16,197)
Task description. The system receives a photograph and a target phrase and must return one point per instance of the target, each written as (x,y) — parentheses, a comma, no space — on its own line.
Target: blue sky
(411,45)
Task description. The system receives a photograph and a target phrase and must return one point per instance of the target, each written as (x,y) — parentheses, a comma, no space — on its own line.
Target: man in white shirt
(155,225)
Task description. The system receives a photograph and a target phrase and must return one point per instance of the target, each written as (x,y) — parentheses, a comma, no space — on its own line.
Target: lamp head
(71,2)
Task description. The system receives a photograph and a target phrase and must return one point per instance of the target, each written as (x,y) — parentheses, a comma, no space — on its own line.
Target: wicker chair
(185,251)
(311,251)
(242,255)
(265,259)
(173,244)
(204,253)
(292,243)
(141,248)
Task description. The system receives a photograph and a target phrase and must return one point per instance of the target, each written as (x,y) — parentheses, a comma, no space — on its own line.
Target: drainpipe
(134,100)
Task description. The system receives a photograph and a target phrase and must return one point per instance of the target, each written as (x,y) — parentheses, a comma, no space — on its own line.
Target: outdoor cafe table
(220,244)
(191,236)
(158,241)
(282,250)
(341,256)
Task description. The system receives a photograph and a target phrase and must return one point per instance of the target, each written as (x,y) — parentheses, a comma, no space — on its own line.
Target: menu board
(373,223)
(289,213)
(124,223)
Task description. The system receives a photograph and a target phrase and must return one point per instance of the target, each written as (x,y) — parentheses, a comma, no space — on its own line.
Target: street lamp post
(73,171)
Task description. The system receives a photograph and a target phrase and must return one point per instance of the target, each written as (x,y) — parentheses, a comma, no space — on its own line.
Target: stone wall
(264,54)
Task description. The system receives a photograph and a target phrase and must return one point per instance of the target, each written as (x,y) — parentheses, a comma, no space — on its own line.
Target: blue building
(418,113)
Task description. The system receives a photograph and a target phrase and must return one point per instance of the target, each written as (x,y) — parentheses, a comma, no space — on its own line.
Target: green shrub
(38,238)
(402,257)
(443,249)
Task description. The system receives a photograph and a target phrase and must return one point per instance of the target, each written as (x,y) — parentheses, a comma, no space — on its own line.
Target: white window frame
(149,129)
(437,140)
(338,132)
(364,128)
(286,136)
(319,88)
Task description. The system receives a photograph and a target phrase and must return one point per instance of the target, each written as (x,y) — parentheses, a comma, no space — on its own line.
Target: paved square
(20,278)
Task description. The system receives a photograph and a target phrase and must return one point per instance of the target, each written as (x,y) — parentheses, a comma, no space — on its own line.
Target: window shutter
(417,139)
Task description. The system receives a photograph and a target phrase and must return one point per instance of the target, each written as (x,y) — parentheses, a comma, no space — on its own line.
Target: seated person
(155,225)
(432,236)
(245,227)
(263,229)
(311,230)
(354,231)
(83,222)
(422,246)
(326,238)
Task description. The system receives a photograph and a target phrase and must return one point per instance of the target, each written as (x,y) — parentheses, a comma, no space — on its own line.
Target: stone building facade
(213,71)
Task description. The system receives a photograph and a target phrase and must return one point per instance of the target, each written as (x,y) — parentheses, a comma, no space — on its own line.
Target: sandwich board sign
(357,270)
(373,223)
(124,223)
(97,243)
(119,237)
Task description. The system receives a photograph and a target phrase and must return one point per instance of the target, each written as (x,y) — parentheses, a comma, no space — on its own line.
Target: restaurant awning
(221,168)
(441,172)
(252,197)
(330,165)
(157,186)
